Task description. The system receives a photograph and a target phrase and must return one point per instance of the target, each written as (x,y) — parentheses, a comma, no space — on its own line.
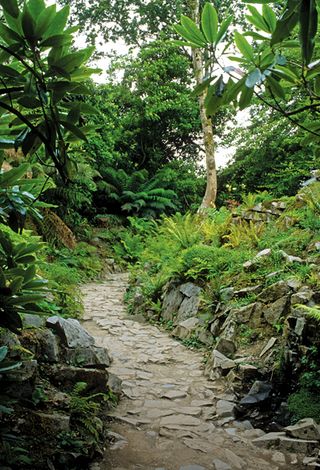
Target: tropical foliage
(265,68)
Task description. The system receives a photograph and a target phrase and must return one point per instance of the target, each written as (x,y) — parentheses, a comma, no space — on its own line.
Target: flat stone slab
(225,408)
(174,394)
(180,420)
(305,429)
(197,444)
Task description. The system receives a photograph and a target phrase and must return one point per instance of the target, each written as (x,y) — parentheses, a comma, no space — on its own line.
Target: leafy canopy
(41,79)
(264,68)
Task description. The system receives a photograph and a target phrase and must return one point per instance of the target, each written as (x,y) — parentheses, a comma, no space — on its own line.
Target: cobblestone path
(166,419)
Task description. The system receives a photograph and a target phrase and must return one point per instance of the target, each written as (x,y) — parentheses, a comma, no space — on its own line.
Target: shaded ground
(167,417)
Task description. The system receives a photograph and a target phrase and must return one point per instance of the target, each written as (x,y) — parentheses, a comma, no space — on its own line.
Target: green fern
(148,203)
(84,409)
(313,312)
(136,193)
(184,229)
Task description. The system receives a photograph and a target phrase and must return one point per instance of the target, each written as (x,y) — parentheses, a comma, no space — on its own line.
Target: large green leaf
(269,17)
(45,18)
(28,24)
(258,20)
(286,74)
(29,274)
(57,40)
(3,352)
(83,73)
(275,88)
(308,28)
(6,144)
(13,23)
(245,97)
(16,284)
(7,366)
(36,284)
(254,78)
(243,46)
(58,22)
(30,143)
(29,101)
(287,22)
(193,30)
(11,177)
(26,259)
(8,35)
(11,7)
(7,71)
(74,130)
(70,62)
(209,22)
(36,7)
(223,28)
(234,89)
(185,34)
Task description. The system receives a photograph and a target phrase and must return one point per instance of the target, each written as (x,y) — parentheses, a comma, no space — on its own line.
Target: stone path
(167,417)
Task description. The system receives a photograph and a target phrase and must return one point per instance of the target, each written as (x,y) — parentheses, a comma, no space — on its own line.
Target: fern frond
(313,312)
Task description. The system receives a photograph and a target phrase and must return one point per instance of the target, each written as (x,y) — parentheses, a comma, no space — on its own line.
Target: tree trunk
(209,198)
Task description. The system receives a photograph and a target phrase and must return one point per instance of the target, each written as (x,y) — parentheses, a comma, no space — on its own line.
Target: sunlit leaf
(244,47)
(209,22)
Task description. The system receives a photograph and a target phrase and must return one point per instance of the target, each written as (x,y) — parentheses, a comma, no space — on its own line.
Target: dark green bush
(304,404)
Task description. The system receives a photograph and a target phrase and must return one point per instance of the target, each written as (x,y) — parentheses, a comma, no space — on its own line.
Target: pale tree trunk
(209,198)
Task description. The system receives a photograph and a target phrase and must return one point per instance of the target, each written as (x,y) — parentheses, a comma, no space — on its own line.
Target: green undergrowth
(64,269)
(304,402)
(210,250)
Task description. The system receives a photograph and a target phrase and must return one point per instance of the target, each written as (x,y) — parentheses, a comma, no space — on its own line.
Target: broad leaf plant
(41,113)
(264,55)
(42,78)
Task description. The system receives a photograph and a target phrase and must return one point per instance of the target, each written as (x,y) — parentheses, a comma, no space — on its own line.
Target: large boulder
(218,365)
(303,296)
(49,346)
(274,311)
(189,308)
(186,328)
(171,303)
(258,394)
(226,346)
(66,377)
(95,357)
(71,333)
(26,372)
(190,290)
(274,292)
(33,321)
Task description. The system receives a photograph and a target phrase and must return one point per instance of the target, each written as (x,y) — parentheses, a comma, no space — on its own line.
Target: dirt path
(167,417)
